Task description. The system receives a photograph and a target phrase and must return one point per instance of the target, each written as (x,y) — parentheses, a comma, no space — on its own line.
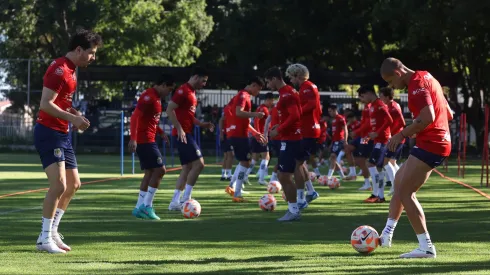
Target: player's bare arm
(240,113)
(48,106)
(345,135)
(175,122)
(205,125)
(425,118)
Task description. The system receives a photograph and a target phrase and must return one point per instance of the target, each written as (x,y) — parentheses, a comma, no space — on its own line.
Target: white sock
(187,192)
(149,196)
(57,218)
(381,184)
(47,224)
(293,207)
(252,165)
(176,196)
(366,182)
(390,226)
(341,172)
(228,173)
(263,169)
(390,172)
(242,170)
(309,187)
(374,179)
(223,172)
(352,171)
(301,195)
(233,178)
(424,241)
(330,173)
(141,197)
(317,171)
(396,167)
(274,176)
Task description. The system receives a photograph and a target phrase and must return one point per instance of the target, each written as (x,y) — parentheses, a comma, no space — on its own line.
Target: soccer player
(352,125)
(225,146)
(291,156)
(144,127)
(259,149)
(386,95)
(237,132)
(310,127)
(431,114)
(321,145)
(181,111)
(339,138)
(380,120)
(275,142)
(51,137)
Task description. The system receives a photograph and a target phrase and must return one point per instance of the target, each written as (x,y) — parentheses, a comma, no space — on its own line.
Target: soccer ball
(312,176)
(268,202)
(323,180)
(333,183)
(364,239)
(274,187)
(191,209)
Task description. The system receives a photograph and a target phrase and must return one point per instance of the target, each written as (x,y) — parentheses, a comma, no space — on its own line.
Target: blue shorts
(188,152)
(225,145)
(310,147)
(429,158)
(257,147)
(395,155)
(53,147)
(356,142)
(241,148)
(290,152)
(364,150)
(149,155)
(337,146)
(378,155)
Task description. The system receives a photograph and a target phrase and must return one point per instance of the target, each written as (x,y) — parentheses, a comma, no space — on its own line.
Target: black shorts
(357,144)
(241,148)
(257,147)
(365,149)
(275,146)
(337,146)
(225,145)
(310,147)
(429,158)
(188,152)
(290,152)
(149,155)
(378,155)
(395,155)
(54,147)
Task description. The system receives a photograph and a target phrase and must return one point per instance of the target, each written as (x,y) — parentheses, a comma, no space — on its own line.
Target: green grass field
(231,238)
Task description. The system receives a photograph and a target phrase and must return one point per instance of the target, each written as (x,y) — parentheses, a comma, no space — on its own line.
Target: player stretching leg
(226,147)
(181,110)
(239,127)
(51,137)
(339,138)
(310,126)
(386,95)
(432,113)
(380,120)
(259,149)
(291,157)
(144,127)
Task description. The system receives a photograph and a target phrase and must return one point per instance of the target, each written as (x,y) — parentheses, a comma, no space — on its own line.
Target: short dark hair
(366,89)
(166,79)
(351,115)
(257,80)
(85,39)
(273,72)
(269,96)
(388,92)
(199,71)
(332,106)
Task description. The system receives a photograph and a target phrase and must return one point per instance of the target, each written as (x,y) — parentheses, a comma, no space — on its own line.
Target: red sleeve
(133,123)
(179,97)
(364,127)
(54,81)
(257,120)
(422,96)
(398,120)
(293,115)
(311,102)
(242,100)
(387,121)
(266,112)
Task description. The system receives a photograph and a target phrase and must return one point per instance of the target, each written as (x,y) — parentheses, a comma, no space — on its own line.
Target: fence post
(122,142)
(28,82)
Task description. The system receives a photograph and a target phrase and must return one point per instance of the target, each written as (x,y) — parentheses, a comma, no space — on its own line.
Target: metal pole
(132,157)
(122,143)
(28,83)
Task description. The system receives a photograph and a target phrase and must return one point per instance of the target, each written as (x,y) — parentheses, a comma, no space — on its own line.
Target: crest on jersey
(57,153)
(159,160)
(147,98)
(58,71)
(427,76)
(180,92)
(418,91)
(306,91)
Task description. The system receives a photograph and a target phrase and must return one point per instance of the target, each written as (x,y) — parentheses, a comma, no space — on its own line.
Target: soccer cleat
(230,191)
(421,253)
(48,245)
(262,182)
(137,213)
(350,178)
(380,200)
(58,240)
(385,240)
(228,179)
(365,188)
(371,199)
(289,217)
(148,212)
(303,205)
(239,199)
(312,197)
(174,206)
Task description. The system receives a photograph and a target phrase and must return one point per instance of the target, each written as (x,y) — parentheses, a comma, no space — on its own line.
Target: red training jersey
(363,131)
(310,110)
(259,123)
(398,121)
(185,97)
(289,110)
(323,132)
(425,90)
(274,121)
(146,116)
(238,126)
(380,121)
(60,77)
(338,131)
(353,125)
